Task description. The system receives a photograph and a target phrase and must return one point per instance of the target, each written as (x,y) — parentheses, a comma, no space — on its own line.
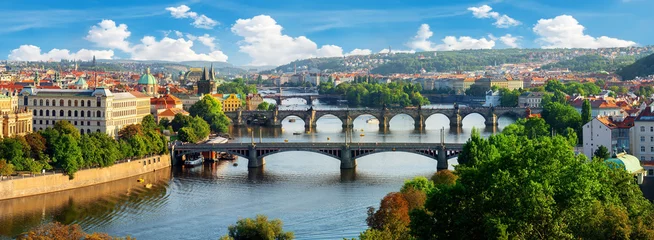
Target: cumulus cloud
(565,32)
(264,42)
(422,42)
(33,53)
(107,34)
(199,20)
(357,51)
(170,49)
(508,40)
(501,20)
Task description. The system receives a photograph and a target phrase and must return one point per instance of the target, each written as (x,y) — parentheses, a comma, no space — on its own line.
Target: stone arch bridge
(309,98)
(347,116)
(346,153)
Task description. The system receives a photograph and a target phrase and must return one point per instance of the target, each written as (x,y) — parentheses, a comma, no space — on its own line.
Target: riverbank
(22,187)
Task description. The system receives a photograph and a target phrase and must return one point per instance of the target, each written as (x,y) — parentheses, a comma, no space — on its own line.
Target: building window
(40,121)
(75,103)
(88,113)
(642,128)
(34,102)
(47,102)
(98,114)
(40,112)
(47,113)
(75,113)
(82,102)
(98,123)
(81,113)
(54,103)
(54,114)
(61,113)
(25,101)
(76,125)
(642,138)
(70,103)
(34,112)
(98,101)
(651,129)
(61,103)
(642,148)
(88,103)
(81,131)
(40,102)
(70,113)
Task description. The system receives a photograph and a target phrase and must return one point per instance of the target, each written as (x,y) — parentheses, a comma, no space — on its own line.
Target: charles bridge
(346,153)
(384,115)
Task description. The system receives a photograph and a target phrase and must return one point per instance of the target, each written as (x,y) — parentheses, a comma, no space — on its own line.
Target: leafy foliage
(6,168)
(211,111)
(586,112)
(57,230)
(376,94)
(193,129)
(258,228)
(602,153)
(265,106)
(515,187)
(560,116)
(237,86)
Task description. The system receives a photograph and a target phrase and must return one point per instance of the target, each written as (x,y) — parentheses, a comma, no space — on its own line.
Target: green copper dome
(147,79)
(80,82)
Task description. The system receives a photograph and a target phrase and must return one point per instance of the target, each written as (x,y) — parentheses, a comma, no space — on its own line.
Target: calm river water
(314,198)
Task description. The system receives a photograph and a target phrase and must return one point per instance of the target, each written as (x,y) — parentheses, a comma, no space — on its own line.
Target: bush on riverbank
(258,228)
(63,147)
(56,230)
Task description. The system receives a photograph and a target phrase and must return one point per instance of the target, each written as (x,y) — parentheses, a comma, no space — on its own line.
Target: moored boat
(372,121)
(227,156)
(195,161)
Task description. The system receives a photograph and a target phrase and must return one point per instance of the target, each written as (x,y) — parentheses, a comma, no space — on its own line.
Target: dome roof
(147,79)
(626,162)
(101,91)
(81,82)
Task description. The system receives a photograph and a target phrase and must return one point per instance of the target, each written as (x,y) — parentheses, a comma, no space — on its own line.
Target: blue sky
(330,28)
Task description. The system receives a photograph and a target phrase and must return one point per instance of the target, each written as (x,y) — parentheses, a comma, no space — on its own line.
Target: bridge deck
(296,145)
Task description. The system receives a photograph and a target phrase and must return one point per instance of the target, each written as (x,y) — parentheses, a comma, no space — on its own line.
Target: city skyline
(264,33)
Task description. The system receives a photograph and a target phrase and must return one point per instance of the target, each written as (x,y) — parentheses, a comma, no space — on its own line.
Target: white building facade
(89,111)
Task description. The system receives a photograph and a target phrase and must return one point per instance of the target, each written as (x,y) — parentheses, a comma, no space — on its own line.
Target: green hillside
(641,68)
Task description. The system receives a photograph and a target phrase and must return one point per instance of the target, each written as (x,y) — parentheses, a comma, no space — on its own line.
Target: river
(307,191)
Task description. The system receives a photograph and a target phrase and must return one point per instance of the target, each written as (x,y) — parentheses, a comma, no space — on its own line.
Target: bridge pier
(347,162)
(491,120)
(254,161)
(455,121)
(419,122)
(383,122)
(442,158)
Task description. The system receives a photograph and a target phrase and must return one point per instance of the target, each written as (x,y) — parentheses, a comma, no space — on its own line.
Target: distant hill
(641,68)
(592,63)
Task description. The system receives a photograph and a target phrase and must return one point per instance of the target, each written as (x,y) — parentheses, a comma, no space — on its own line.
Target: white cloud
(501,21)
(179,34)
(33,53)
(510,41)
(107,35)
(169,49)
(422,42)
(565,32)
(199,20)
(264,42)
(357,51)
(208,41)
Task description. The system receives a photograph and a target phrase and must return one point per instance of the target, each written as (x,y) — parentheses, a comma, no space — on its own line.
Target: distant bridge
(344,152)
(347,116)
(309,98)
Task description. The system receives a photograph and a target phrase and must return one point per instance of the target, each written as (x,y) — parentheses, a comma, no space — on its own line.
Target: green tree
(586,115)
(6,168)
(477,90)
(533,189)
(602,153)
(259,228)
(560,116)
(509,98)
(264,106)
(187,134)
(211,110)
(65,127)
(444,177)
(37,145)
(148,122)
(180,121)
(68,154)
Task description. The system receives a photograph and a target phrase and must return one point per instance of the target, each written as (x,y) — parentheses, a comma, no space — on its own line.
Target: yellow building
(13,121)
(232,103)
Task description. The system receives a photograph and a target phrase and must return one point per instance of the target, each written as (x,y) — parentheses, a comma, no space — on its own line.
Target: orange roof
(165,100)
(171,112)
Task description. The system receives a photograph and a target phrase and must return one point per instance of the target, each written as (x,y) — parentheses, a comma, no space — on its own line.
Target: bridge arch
(395,119)
(333,154)
(307,101)
(329,115)
(477,118)
(437,121)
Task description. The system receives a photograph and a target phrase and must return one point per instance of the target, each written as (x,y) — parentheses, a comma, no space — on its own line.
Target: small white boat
(193,162)
(372,121)
(291,120)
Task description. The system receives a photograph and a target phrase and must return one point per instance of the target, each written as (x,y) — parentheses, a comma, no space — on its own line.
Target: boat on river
(297,133)
(292,120)
(194,161)
(227,156)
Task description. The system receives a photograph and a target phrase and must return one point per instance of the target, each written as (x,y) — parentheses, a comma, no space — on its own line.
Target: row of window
(125,104)
(70,113)
(47,122)
(150,161)
(642,149)
(642,129)
(61,102)
(642,138)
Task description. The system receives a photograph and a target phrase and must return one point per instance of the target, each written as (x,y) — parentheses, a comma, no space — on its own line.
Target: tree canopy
(211,111)
(365,94)
(259,228)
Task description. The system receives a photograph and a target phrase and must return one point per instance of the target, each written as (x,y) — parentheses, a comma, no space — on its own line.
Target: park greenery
(265,106)
(520,184)
(259,228)
(372,94)
(56,230)
(63,147)
(211,111)
(592,63)
(206,116)
(237,86)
